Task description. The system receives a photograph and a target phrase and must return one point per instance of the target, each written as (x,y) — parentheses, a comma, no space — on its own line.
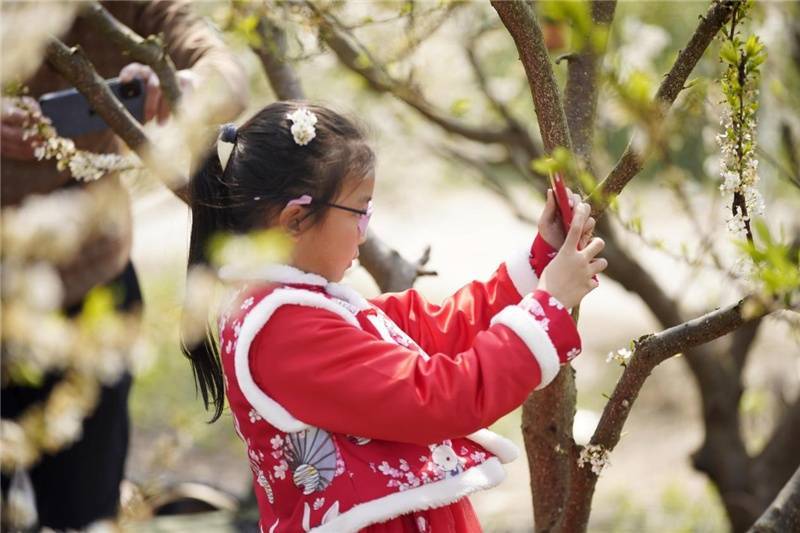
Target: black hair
(265,170)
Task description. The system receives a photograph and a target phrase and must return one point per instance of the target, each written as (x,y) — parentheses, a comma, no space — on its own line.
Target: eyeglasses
(363,219)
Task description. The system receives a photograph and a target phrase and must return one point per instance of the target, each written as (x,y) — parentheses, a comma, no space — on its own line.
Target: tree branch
(580,93)
(772,466)
(358,59)
(547,416)
(784,513)
(632,162)
(282,77)
(149,51)
(390,270)
(649,351)
(76,68)
(741,342)
(520,20)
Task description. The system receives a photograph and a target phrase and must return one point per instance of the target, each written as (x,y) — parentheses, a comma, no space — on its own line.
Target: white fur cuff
(535,338)
(521,272)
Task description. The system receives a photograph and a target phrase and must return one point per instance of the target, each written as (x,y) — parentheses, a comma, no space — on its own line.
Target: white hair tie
(303,122)
(226,141)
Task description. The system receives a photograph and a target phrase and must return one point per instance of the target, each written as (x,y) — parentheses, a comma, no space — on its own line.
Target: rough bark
(784,513)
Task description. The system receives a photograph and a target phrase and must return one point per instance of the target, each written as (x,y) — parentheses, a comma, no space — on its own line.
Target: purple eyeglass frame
(363,219)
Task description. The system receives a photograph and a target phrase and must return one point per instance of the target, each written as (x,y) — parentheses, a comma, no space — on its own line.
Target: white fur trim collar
(252,323)
(287,274)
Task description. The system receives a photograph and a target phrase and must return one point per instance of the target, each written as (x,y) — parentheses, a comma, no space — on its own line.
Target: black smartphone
(72,116)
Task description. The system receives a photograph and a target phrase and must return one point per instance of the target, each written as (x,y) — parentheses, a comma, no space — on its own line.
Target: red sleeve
(452,326)
(333,375)
(541,254)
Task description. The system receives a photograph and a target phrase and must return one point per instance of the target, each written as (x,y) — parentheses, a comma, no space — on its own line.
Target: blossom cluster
(82,165)
(594,455)
(737,140)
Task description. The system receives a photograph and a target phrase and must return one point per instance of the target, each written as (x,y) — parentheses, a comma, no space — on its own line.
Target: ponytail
(207,203)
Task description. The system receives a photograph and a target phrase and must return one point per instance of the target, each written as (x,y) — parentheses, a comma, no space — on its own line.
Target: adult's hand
(155,104)
(14,145)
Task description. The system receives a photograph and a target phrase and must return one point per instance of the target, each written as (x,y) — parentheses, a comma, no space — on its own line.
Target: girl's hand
(550,227)
(568,277)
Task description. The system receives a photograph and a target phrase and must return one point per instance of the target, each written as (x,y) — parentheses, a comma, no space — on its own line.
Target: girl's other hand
(568,277)
(550,226)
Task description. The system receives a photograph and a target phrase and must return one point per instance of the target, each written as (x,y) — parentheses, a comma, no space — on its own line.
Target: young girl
(368,414)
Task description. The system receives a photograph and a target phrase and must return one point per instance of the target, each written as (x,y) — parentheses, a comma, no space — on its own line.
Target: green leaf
(728,53)
(544,165)
(753,46)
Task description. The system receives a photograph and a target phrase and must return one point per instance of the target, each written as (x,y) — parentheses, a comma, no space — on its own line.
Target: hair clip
(303,122)
(228,132)
(303,200)
(225,142)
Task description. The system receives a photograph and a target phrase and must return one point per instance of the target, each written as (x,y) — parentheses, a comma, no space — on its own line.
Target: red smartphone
(562,200)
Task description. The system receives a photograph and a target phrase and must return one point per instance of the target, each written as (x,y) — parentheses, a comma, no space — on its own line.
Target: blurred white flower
(642,44)
(42,287)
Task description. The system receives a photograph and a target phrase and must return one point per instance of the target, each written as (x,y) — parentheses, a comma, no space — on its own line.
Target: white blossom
(303,122)
(621,356)
(596,456)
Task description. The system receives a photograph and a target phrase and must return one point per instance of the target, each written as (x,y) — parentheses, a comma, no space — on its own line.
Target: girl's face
(330,247)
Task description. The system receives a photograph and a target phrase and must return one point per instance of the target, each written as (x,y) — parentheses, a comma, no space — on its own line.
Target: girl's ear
(290,220)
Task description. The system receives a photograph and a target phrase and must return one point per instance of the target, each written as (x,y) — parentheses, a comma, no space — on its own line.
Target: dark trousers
(80,484)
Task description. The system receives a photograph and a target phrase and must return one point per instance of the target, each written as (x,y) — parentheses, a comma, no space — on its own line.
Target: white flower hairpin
(303,122)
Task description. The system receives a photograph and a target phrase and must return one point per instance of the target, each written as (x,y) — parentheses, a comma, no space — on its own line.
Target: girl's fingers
(549,211)
(598,265)
(594,247)
(576,228)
